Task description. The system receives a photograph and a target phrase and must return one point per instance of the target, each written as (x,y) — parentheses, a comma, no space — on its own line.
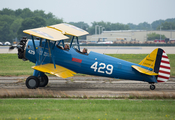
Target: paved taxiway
(112,49)
(86,86)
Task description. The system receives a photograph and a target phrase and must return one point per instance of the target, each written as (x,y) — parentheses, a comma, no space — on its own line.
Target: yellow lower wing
(58,71)
(144,71)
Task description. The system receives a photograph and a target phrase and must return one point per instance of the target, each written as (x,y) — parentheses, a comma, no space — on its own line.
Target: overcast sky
(122,11)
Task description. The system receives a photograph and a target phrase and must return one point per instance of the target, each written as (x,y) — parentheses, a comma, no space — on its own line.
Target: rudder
(159,62)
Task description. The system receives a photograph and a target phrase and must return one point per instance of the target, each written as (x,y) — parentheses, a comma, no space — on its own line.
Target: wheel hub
(32,82)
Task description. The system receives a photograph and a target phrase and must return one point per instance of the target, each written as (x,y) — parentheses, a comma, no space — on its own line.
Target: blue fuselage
(92,64)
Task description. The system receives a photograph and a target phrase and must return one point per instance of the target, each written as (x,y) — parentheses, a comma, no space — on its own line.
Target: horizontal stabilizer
(144,71)
(46,33)
(58,71)
(68,29)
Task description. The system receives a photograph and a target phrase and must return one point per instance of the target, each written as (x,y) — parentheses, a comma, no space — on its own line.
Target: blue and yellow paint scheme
(48,56)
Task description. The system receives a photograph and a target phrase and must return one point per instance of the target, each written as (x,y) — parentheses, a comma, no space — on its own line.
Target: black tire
(43,81)
(32,82)
(152,87)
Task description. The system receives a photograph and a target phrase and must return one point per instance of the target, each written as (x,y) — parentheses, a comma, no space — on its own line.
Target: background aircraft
(49,57)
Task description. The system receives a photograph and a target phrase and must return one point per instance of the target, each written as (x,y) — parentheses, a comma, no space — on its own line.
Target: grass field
(10,65)
(50,109)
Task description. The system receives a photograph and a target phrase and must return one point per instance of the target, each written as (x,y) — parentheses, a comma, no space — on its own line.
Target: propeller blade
(11,47)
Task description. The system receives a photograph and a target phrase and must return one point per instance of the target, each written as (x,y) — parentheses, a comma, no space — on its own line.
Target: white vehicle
(7,43)
(104,41)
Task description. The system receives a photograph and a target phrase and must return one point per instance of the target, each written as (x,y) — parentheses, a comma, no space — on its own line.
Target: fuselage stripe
(77,60)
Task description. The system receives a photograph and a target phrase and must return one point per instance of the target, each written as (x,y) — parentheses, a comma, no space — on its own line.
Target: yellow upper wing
(68,29)
(59,71)
(46,33)
(144,71)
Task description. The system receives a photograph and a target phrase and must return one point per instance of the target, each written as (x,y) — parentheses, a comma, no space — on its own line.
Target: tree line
(13,22)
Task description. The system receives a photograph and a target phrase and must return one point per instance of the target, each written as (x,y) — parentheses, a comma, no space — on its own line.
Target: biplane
(49,57)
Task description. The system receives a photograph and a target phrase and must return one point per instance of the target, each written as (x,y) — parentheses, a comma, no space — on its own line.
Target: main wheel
(32,82)
(152,87)
(43,81)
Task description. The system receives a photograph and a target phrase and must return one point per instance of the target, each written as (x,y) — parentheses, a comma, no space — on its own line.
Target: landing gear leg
(152,86)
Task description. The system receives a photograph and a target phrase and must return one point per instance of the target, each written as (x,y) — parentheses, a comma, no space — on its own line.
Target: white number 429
(101,68)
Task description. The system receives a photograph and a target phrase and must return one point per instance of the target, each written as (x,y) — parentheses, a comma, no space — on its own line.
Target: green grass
(10,65)
(47,109)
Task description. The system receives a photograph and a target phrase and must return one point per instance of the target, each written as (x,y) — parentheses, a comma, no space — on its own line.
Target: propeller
(14,46)
(19,45)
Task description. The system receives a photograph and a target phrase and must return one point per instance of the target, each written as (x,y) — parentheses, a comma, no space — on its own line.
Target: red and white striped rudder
(164,69)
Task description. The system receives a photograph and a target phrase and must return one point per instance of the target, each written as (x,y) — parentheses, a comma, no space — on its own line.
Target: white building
(128,35)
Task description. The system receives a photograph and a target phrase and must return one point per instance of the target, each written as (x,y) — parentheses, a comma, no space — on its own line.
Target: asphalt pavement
(86,87)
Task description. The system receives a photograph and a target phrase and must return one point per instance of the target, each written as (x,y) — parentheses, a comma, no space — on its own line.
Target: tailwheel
(32,82)
(43,81)
(152,87)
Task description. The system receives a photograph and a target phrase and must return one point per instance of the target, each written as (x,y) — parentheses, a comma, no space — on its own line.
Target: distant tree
(132,26)
(52,21)
(167,26)
(5,23)
(39,13)
(14,27)
(153,36)
(30,23)
(5,33)
(18,12)
(7,11)
(144,26)
(14,18)
(26,13)
(156,23)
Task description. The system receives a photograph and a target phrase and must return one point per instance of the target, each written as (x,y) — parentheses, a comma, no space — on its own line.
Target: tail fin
(159,62)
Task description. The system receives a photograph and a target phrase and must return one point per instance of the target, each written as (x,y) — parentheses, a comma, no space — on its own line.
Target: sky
(88,11)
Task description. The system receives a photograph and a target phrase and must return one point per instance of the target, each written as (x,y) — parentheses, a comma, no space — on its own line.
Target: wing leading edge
(46,33)
(59,71)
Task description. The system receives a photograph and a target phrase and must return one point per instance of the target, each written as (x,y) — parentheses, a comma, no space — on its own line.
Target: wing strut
(71,41)
(53,60)
(78,44)
(36,57)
